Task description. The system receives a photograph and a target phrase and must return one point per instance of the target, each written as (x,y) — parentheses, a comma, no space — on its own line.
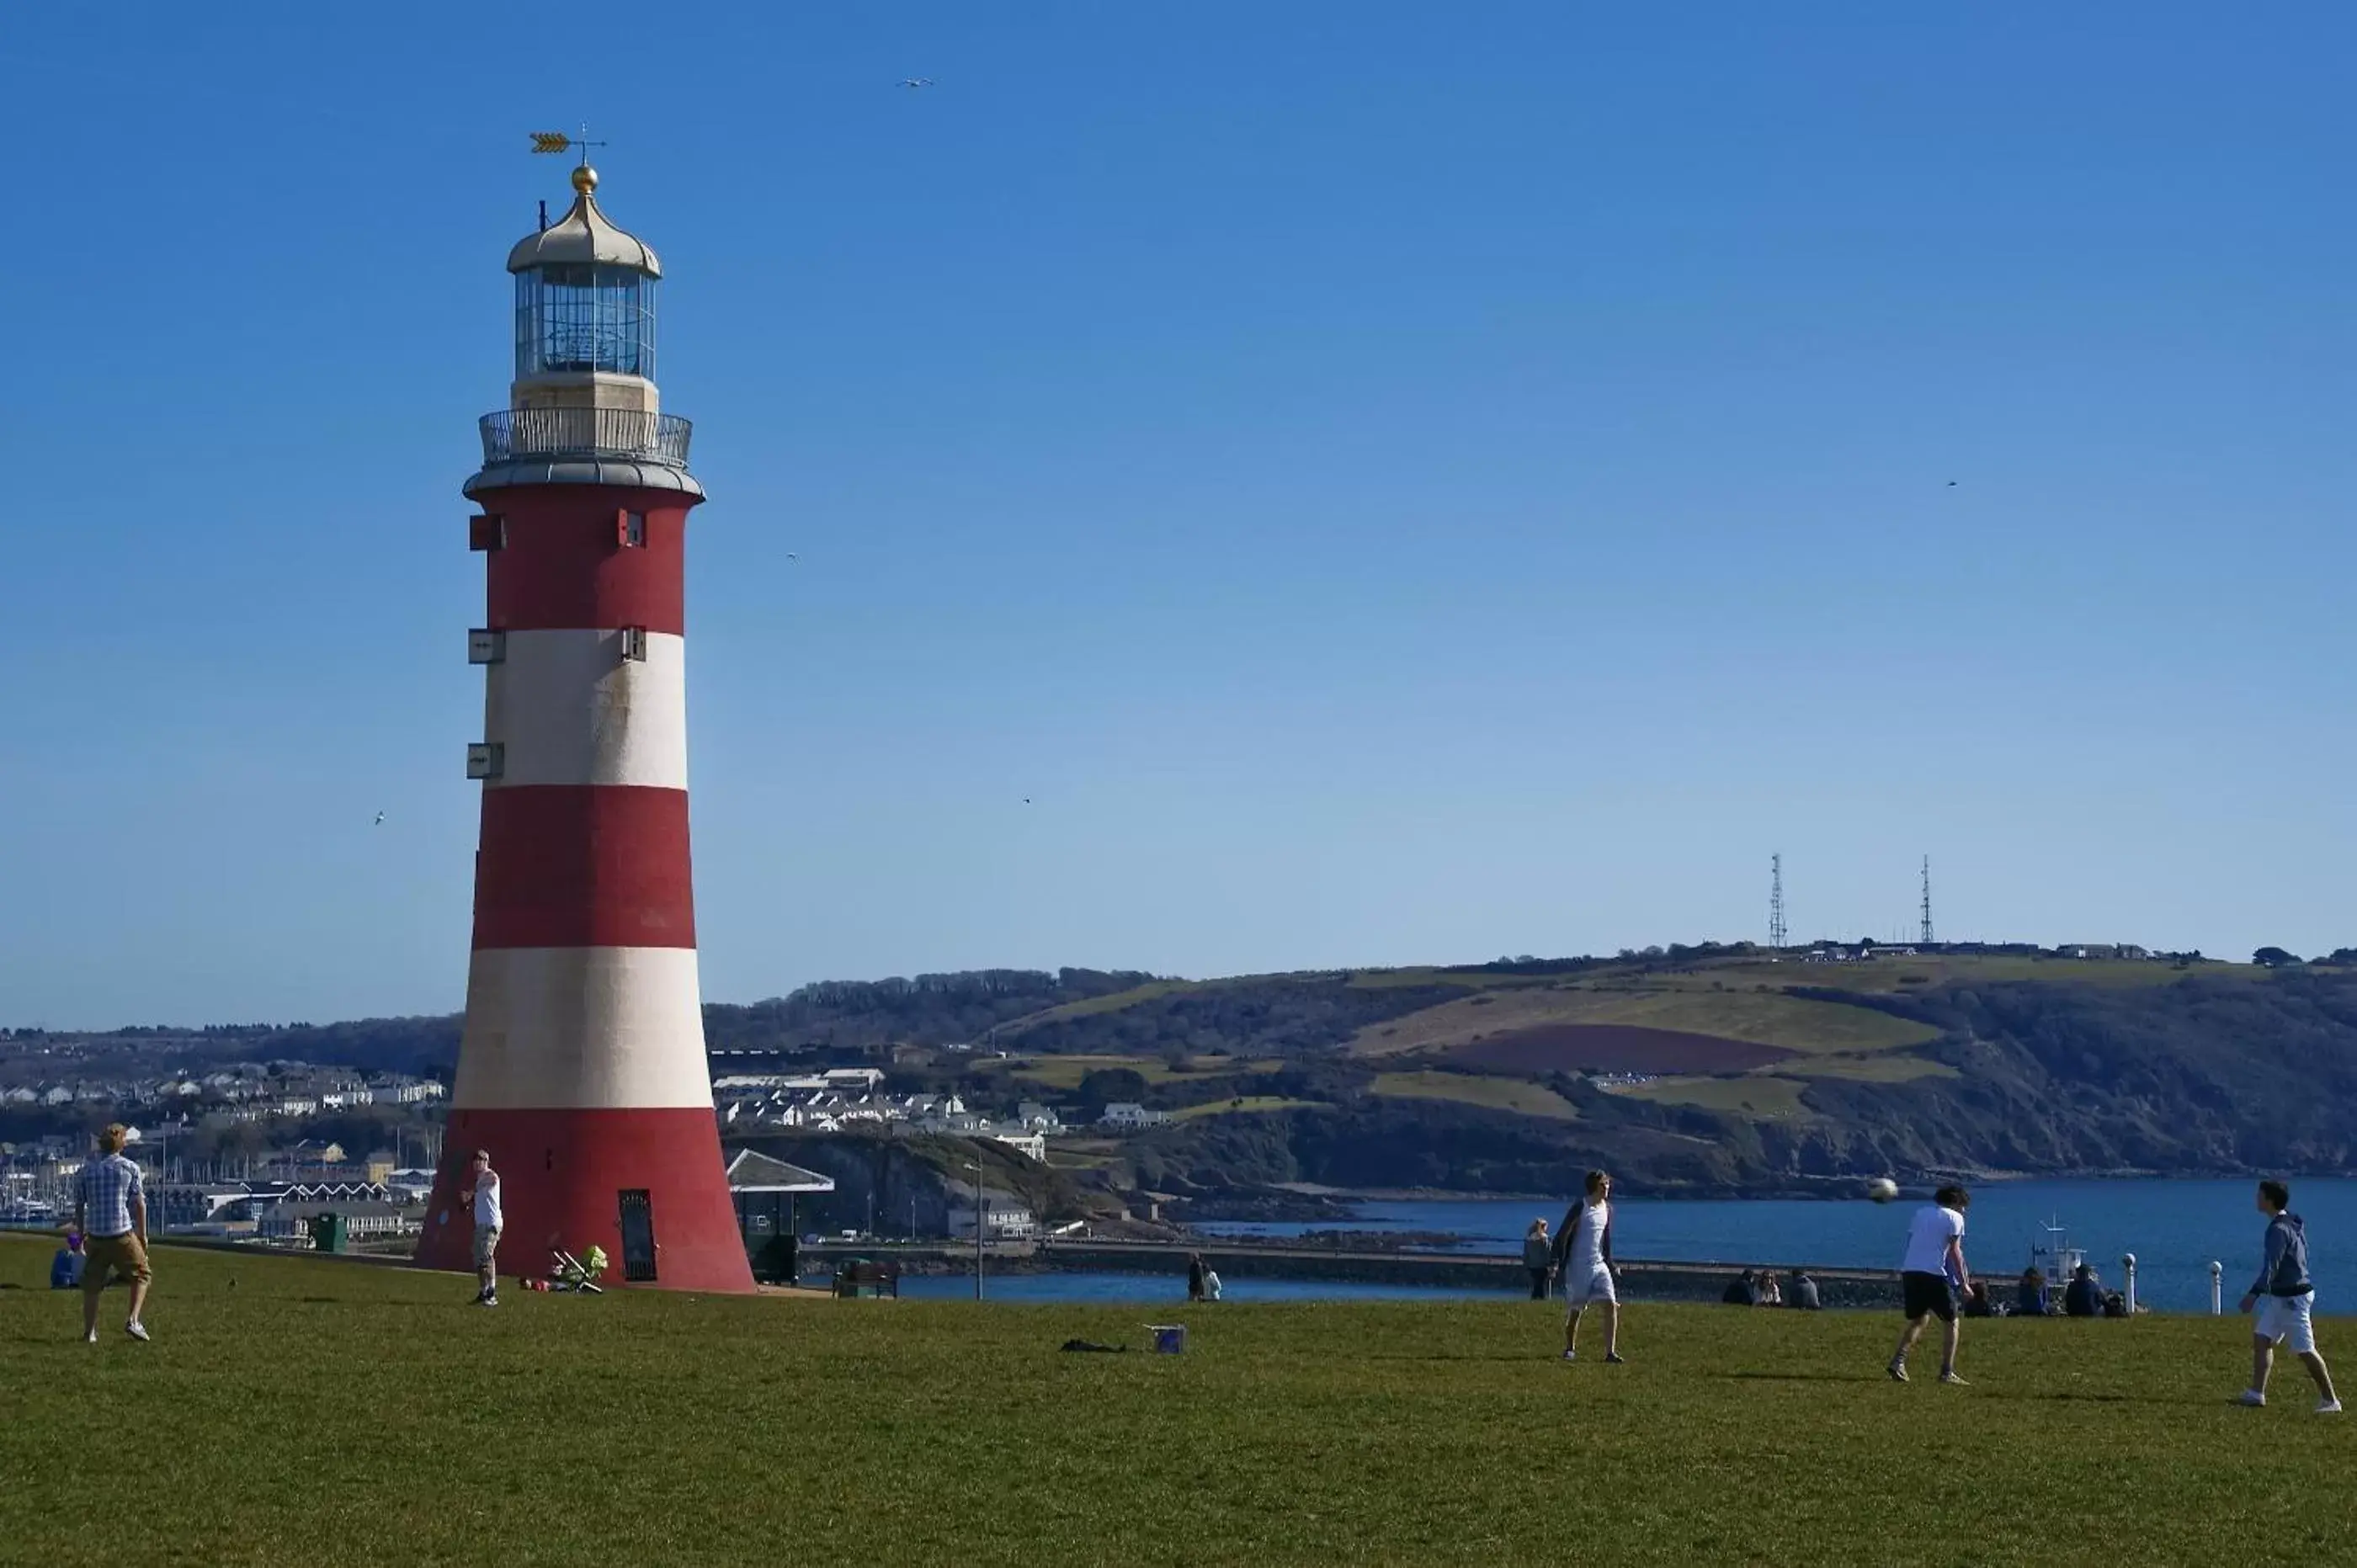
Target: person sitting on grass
(2285,1297)
(66,1266)
(2084,1296)
(1742,1291)
(1770,1292)
(1804,1295)
(1977,1303)
(2031,1299)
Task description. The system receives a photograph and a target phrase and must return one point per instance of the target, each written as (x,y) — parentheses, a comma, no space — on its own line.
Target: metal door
(637,1235)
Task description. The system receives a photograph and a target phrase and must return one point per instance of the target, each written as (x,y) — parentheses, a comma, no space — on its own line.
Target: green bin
(330,1233)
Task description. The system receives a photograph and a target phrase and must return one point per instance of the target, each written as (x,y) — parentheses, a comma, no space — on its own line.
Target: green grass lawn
(320,1412)
(1501,1093)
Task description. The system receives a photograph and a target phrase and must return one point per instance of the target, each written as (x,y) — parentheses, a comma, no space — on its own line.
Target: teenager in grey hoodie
(2283,1296)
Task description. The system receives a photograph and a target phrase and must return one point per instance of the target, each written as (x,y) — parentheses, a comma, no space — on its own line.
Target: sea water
(2175,1227)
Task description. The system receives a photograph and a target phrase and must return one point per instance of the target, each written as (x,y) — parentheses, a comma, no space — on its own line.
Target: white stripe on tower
(571,1027)
(571,710)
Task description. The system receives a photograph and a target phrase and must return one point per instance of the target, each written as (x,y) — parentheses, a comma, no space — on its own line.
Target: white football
(1882,1189)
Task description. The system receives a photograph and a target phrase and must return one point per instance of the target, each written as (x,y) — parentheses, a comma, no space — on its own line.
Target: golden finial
(585,178)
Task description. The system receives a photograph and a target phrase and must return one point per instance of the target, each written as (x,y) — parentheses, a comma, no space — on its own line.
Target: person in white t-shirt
(482,1190)
(1584,1254)
(1932,1275)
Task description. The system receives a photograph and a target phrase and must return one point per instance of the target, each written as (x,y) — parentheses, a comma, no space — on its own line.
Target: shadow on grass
(1982,1391)
(1520,1358)
(1806,1376)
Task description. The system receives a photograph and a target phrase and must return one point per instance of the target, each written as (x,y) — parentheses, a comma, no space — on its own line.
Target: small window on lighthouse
(634,642)
(485,761)
(485,646)
(630,529)
(486,531)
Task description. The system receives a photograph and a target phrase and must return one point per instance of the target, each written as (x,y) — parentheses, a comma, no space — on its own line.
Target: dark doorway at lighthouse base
(648,1186)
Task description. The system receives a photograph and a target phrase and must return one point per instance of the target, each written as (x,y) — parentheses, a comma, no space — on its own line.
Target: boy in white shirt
(1584,1253)
(1932,1275)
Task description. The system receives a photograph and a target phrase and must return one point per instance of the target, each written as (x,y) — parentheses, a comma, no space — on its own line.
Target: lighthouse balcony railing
(628,434)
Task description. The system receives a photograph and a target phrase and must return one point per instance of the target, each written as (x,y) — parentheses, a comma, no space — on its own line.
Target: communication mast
(1776,903)
(1925,939)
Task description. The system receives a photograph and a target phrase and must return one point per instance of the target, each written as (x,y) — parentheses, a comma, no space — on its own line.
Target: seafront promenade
(1645,1279)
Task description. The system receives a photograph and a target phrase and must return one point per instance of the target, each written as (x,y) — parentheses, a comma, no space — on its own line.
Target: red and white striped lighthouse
(582,1070)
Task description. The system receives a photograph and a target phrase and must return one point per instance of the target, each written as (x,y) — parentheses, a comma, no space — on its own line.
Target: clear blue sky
(1390,482)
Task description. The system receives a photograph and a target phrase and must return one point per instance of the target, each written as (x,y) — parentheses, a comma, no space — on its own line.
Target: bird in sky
(913,81)
(380,821)
(1952,484)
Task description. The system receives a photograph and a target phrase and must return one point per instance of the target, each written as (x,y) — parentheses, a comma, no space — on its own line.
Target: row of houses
(851,1099)
(254,1098)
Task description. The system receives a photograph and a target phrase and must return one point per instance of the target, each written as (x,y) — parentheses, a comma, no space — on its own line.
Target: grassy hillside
(1065,1072)
(1499,1094)
(1753,1096)
(335,1412)
(1924,1067)
(1759,1017)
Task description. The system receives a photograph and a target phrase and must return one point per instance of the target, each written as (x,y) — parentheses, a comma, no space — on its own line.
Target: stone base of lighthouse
(565,1179)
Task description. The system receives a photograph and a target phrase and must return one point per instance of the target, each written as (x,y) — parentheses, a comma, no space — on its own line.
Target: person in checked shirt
(110,1213)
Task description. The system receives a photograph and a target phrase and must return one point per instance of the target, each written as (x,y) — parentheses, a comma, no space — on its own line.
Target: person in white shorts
(2285,1298)
(1584,1259)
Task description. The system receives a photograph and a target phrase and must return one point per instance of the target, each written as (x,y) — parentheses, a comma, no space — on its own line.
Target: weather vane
(558,141)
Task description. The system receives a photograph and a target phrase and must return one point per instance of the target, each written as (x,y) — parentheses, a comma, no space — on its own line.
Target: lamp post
(976,1165)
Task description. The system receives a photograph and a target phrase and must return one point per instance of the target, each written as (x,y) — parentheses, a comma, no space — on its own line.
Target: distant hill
(1695,1069)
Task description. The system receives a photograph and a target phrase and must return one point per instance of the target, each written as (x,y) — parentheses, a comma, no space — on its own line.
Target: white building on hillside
(1005,1217)
(1127,1114)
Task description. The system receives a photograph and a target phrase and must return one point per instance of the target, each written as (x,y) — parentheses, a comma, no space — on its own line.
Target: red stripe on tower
(573,865)
(582,1068)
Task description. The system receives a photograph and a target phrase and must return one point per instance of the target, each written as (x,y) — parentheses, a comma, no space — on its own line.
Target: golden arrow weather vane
(558,141)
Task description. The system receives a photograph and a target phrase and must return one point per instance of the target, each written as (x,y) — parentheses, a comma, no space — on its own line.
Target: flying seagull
(916,82)
(1952,484)
(380,821)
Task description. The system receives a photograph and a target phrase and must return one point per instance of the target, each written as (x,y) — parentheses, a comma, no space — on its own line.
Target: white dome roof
(584,234)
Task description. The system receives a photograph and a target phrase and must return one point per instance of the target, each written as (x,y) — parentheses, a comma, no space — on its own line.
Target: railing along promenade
(1652,1279)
